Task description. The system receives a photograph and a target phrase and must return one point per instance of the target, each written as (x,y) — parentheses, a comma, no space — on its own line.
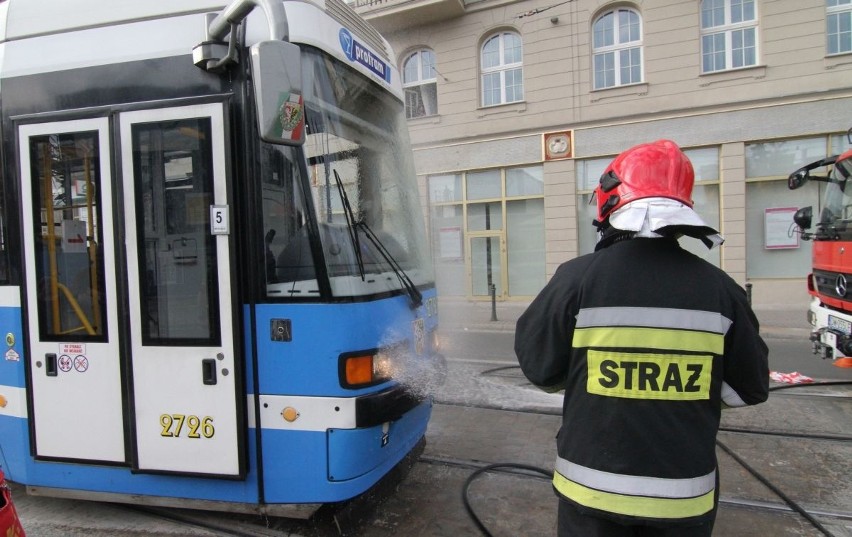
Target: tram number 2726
(173,426)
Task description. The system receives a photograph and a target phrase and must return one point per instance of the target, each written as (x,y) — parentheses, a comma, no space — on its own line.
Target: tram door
(184,403)
(70,280)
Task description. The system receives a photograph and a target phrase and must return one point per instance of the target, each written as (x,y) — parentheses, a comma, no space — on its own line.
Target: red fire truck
(830,282)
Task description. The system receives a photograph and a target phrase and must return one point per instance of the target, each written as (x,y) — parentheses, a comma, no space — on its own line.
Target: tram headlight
(435,341)
(383,365)
(358,370)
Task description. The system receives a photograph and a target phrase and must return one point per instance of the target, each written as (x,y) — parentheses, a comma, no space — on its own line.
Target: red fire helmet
(657,169)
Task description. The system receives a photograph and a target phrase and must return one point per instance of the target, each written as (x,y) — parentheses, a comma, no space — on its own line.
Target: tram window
(173,175)
(356,142)
(4,254)
(289,261)
(69,246)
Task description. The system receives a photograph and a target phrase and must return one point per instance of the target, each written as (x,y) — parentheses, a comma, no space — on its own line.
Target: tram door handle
(208,371)
(50,365)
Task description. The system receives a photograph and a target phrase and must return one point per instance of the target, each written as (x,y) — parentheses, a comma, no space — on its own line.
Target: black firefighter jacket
(648,341)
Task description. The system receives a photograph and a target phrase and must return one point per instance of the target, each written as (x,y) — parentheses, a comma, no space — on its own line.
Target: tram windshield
(362,191)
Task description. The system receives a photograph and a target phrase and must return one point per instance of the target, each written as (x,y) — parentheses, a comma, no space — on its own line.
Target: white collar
(648,215)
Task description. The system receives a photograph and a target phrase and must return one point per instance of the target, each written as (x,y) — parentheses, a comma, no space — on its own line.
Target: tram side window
(4,254)
(173,174)
(289,261)
(69,245)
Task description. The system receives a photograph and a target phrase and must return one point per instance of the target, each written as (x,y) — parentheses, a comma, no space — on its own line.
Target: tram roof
(27,18)
(24,19)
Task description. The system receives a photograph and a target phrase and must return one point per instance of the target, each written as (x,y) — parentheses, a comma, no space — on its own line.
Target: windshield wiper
(414,294)
(350,224)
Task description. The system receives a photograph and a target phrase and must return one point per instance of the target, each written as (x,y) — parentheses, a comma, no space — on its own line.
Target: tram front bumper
(393,403)
(385,406)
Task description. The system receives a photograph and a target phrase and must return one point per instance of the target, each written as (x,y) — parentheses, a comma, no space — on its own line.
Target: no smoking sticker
(81,363)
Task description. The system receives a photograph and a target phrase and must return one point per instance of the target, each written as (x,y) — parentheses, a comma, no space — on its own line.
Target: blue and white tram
(215,289)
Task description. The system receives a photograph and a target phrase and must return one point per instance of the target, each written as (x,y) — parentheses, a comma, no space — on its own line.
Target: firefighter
(649,342)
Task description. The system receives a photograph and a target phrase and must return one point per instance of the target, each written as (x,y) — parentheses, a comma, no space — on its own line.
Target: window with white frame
(419,84)
(617,44)
(501,61)
(838,26)
(728,34)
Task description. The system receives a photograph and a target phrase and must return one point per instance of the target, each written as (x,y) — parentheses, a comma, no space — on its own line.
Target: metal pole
(748,292)
(276,17)
(493,289)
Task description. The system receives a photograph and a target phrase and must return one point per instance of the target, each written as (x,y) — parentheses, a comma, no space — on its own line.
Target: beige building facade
(515,108)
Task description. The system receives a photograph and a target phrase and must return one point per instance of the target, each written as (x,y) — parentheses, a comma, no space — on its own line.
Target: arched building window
(617,48)
(502,68)
(419,84)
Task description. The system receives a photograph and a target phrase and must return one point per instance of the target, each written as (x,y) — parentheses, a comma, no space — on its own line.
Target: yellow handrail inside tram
(87,326)
(55,285)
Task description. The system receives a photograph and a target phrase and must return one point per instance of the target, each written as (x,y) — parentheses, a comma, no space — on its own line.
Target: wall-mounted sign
(779,231)
(450,241)
(74,236)
(558,145)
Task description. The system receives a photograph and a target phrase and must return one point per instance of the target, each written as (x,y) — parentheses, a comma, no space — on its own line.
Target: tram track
(261,526)
(325,524)
(786,505)
(216,523)
(473,465)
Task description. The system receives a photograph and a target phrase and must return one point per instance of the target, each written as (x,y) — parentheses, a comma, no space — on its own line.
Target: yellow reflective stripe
(631,337)
(641,506)
(671,377)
